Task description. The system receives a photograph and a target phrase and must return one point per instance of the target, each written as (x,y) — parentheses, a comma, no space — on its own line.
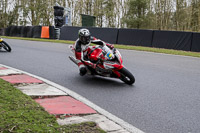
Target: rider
(81,49)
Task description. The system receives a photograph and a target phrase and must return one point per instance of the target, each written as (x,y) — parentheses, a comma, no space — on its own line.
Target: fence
(30,31)
(187,41)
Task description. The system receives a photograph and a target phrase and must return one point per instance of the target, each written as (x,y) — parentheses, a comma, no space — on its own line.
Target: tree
(8,14)
(136,15)
(121,11)
(181,16)
(195,15)
(99,12)
(109,12)
(147,14)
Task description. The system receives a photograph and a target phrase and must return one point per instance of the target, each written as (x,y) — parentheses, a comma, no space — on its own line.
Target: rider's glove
(111,46)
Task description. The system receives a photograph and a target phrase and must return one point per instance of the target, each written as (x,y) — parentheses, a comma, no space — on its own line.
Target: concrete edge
(110,116)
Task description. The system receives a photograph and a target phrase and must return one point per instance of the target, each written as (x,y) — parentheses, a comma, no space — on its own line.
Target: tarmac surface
(165,97)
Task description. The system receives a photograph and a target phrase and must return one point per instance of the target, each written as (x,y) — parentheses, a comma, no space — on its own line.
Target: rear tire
(6,46)
(126,76)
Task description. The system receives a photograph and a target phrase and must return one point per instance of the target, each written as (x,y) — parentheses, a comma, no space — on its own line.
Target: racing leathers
(81,51)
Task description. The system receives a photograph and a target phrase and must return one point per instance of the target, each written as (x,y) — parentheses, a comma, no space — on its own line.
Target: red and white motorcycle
(109,63)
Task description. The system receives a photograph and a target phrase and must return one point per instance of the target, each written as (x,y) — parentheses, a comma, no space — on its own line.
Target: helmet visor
(85,39)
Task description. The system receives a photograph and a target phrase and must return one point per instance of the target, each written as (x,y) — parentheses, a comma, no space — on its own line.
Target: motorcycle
(109,63)
(4,45)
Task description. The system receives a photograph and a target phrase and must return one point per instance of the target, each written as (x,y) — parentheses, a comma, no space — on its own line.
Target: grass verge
(129,47)
(21,114)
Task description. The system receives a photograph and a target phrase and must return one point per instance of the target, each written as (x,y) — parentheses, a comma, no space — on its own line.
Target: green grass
(139,48)
(159,50)
(39,39)
(19,113)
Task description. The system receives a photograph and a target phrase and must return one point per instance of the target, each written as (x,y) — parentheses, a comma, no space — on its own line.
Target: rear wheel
(126,76)
(6,46)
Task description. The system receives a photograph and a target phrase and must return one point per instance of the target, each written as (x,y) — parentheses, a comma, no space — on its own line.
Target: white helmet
(84,36)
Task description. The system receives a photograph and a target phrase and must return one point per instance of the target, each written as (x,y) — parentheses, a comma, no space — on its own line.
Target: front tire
(6,46)
(126,76)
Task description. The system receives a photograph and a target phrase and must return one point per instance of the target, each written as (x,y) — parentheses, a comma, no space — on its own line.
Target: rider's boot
(82,71)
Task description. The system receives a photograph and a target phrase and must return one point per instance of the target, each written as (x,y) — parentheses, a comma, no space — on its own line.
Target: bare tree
(181,15)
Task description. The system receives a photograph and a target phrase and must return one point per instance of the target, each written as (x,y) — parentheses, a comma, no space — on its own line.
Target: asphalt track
(164,99)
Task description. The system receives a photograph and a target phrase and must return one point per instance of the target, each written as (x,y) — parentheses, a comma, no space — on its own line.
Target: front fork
(116,71)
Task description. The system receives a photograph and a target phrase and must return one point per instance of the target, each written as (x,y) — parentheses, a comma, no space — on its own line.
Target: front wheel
(126,76)
(6,46)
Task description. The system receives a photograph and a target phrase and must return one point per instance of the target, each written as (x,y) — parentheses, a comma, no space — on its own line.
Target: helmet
(84,36)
